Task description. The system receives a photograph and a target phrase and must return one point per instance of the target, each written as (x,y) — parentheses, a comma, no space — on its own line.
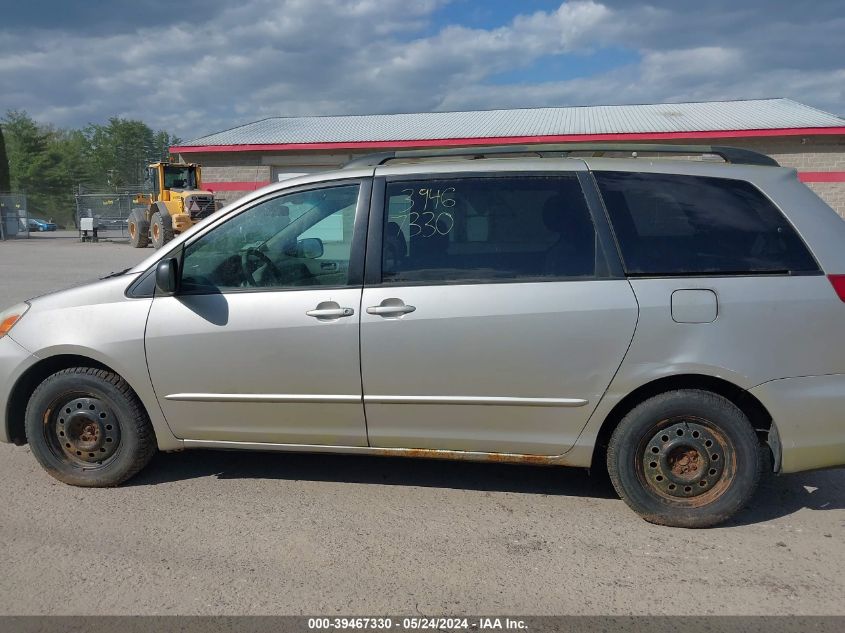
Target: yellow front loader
(176,203)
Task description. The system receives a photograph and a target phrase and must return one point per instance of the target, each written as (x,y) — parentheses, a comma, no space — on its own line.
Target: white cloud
(265,58)
(690,64)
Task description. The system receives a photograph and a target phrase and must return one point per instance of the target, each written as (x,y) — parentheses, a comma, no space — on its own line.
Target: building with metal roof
(246,157)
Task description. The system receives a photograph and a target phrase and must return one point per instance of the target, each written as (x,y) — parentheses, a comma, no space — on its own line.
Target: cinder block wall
(831,192)
(806,154)
(232,167)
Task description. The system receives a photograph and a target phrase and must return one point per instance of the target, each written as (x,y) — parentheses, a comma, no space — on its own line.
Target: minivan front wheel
(685,458)
(87,427)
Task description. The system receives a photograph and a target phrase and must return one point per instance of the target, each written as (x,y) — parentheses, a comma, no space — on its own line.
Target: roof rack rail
(733,155)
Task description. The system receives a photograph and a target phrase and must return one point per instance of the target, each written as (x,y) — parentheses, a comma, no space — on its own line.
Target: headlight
(9,317)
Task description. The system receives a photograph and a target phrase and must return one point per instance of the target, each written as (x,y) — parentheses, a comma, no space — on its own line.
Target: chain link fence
(14,218)
(109,210)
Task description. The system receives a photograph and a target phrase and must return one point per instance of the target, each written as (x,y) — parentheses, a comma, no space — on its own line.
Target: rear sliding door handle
(328,310)
(391,307)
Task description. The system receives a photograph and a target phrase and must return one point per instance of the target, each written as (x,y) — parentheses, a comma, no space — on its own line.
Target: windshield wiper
(117,274)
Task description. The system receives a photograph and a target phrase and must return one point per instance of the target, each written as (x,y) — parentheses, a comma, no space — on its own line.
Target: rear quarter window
(669,224)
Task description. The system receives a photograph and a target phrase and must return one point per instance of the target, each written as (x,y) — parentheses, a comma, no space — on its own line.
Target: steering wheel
(251,260)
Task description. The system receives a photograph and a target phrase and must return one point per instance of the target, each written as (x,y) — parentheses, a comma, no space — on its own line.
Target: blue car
(37,224)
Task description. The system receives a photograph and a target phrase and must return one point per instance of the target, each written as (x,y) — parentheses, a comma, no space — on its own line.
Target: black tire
(81,415)
(139,229)
(161,229)
(685,458)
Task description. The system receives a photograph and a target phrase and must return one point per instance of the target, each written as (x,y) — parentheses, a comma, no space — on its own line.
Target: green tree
(120,150)
(34,165)
(5,184)
(162,142)
(26,145)
(48,164)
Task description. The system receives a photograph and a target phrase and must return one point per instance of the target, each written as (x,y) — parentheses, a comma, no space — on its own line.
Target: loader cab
(154,180)
(164,177)
(180,177)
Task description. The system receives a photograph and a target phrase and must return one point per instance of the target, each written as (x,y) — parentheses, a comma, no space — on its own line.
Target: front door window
(296,240)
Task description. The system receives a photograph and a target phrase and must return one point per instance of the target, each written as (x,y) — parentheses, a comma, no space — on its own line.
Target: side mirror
(167,276)
(308,248)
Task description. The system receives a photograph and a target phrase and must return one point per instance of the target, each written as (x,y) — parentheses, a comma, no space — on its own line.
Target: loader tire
(139,230)
(161,229)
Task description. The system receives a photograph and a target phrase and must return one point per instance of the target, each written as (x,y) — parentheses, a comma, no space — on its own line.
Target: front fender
(15,361)
(99,322)
(134,373)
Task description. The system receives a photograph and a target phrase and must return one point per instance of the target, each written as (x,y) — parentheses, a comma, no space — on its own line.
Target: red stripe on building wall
(511,140)
(821,176)
(234,186)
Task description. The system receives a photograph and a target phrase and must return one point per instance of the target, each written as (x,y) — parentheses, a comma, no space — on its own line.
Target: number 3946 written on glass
(426,213)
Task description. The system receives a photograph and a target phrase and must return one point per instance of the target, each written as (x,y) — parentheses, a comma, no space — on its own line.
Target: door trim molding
(478,400)
(354,399)
(263,397)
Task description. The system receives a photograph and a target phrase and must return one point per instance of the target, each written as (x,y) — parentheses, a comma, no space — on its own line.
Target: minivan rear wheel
(685,458)
(87,427)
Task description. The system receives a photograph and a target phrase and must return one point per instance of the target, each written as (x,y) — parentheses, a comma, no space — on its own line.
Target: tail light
(838,283)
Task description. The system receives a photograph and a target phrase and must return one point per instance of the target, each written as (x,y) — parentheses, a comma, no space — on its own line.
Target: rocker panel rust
(417,453)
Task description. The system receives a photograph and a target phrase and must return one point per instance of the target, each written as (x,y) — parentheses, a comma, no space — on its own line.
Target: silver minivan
(675,321)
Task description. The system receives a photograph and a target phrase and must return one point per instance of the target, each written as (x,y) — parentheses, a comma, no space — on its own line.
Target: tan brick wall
(236,173)
(831,192)
(224,159)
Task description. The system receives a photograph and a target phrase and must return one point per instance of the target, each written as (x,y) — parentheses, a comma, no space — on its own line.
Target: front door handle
(329,310)
(391,307)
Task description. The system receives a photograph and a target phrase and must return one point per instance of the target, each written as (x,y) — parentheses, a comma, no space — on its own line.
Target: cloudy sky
(198,66)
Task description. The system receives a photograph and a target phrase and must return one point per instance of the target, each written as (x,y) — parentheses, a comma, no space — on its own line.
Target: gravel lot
(236,533)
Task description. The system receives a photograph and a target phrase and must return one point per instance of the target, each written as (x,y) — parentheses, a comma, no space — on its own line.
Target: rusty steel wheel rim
(686,460)
(83,431)
(132,230)
(155,231)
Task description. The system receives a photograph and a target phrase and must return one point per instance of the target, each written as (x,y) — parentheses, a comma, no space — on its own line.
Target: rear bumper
(14,361)
(809,413)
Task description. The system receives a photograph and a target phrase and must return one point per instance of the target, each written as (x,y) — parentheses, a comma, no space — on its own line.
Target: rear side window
(487,229)
(673,225)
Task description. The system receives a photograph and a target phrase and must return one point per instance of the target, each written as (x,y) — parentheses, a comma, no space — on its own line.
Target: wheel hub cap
(86,430)
(683,460)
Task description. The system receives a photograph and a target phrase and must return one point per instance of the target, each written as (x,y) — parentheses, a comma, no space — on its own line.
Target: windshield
(180,177)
